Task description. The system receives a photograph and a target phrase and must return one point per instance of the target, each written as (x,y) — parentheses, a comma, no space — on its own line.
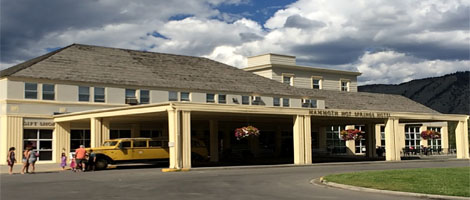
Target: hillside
(448,94)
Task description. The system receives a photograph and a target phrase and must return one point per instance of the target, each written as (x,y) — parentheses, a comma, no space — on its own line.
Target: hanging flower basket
(246,131)
(351,134)
(429,134)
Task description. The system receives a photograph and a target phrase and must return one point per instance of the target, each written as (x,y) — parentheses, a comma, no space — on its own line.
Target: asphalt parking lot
(278,182)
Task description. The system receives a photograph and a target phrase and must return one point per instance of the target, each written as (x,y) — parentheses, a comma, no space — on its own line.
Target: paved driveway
(151,183)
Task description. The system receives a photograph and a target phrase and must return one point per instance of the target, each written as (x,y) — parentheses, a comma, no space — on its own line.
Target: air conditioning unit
(256,98)
(132,101)
(305,100)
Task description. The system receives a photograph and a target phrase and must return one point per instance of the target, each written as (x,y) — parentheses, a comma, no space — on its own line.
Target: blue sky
(387,41)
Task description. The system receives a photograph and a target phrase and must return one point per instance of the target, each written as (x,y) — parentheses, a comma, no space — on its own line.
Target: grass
(440,181)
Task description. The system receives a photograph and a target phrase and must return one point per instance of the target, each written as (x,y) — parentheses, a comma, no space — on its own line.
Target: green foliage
(440,181)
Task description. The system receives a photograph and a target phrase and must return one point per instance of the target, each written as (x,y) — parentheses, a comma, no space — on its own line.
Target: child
(11,159)
(63,161)
(73,164)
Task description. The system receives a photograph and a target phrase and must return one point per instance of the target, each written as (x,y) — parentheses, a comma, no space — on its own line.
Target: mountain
(449,94)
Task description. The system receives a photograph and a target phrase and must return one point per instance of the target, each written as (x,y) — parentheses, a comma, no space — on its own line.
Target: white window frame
(278,101)
(435,143)
(213,98)
(84,94)
(291,77)
(95,95)
(334,140)
(30,91)
(141,97)
(38,141)
(320,82)
(360,144)
(173,99)
(219,99)
(412,135)
(348,83)
(181,96)
(48,92)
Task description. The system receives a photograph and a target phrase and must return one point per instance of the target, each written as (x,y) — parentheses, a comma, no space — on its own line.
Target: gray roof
(103,65)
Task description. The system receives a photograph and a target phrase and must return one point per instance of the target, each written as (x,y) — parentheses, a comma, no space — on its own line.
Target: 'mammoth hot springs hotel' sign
(358,114)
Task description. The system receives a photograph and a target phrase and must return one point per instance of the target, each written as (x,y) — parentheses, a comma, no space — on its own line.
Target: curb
(175,170)
(323,182)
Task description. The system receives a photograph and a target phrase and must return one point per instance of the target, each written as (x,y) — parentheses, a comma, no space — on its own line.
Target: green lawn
(441,181)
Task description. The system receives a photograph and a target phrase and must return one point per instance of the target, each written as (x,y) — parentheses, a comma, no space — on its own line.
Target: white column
(95,129)
(186,139)
(308,139)
(105,129)
(392,151)
(214,140)
(62,139)
(461,136)
(350,144)
(299,140)
(423,141)
(445,138)
(174,139)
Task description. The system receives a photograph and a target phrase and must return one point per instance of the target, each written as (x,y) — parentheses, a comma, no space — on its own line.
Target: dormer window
(344,85)
(316,82)
(288,79)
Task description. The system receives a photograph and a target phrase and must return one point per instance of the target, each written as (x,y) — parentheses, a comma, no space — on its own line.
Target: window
(30,90)
(361,144)
(334,143)
(210,98)
(99,94)
(39,140)
(83,93)
(246,100)
(184,96)
(144,96)
(288,79)
(309,103)
(435,144)
(155,143)
(316,83)
(285,102)
(140,143)
(172,96)
(126,144)
(412,137)
(256,100)
(114,134)
(382,136)
(48,91)
(130,94)
(150,133)
(345,86)
(222,98)
(276,101)
(79,137)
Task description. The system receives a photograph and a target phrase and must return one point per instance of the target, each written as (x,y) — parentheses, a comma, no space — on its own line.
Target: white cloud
(390,67)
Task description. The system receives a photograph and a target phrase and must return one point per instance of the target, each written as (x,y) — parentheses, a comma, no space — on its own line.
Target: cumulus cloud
(390,67)
(378,38)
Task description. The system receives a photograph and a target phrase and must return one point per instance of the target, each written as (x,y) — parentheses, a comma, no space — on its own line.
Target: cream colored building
(85,94)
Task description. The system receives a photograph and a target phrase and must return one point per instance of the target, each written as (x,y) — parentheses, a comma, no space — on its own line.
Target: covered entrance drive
(286,133)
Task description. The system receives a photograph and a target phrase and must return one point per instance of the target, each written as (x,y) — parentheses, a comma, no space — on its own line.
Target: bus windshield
(110,143)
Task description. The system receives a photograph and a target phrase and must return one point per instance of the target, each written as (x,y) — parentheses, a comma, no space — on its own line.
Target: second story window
(130,94)
(184,96)
(210,98)
(285,102)
(222,98)
(344,85)
(30,90)
(276,101)
(144,96)
(99,94)
(288,79)
(309,103)
(48,91)
(246,100)
(83,93)
(172,96)
(316,83)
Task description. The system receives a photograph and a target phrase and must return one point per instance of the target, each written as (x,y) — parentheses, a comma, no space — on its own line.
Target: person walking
(91,160)
(33,157)
(63,161)
(25,160)
(80,155)
(73,164)
(11,159)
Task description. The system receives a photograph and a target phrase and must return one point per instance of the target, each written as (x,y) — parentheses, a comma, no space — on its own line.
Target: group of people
(29,160)
(80,161)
